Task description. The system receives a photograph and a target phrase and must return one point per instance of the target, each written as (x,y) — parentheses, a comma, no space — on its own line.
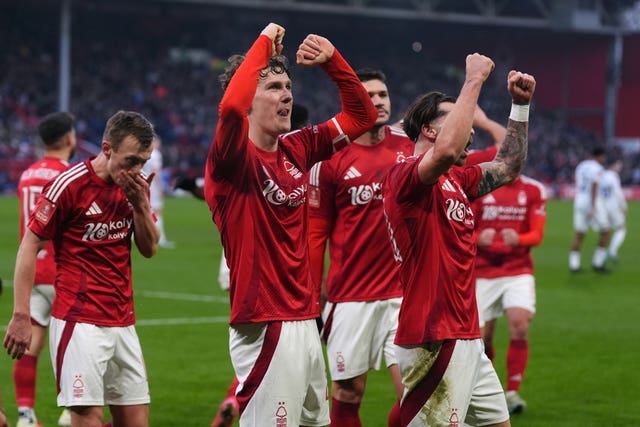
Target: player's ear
(106,148)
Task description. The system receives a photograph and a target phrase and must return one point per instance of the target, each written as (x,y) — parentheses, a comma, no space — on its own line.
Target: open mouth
(283,113)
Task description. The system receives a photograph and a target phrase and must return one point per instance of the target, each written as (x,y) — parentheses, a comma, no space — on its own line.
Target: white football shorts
(281,374)
(496,295)
(450,382)
(97,365)
(358,334)
(598,222)
(41,302)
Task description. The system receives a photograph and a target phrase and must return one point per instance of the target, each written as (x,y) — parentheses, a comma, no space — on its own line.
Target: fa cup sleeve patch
(44,211)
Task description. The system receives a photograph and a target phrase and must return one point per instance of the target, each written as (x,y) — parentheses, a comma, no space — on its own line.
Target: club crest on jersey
(522,198)
(292,169)
(281,415)
(44,211)
(275,195)
(459,212)
(400,157)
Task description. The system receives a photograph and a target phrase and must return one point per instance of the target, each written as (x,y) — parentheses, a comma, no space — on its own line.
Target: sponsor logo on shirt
(113,230)
(275,195)
(459,212)
(504,213)
(363,194)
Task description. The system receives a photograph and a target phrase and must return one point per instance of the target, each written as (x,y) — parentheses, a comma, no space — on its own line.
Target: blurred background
(162,58)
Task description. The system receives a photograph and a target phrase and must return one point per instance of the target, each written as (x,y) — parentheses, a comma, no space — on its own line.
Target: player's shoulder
(67,181)
(534,185)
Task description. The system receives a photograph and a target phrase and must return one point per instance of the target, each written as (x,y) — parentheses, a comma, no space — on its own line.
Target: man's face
(379,94)
(272,104)
(129,156)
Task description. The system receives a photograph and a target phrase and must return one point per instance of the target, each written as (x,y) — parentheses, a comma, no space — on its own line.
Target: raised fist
(521,87)
(478,67)
(314,50)
(276,33)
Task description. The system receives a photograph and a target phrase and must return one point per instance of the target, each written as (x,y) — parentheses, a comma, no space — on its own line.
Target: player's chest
(358,179)
(281,182)
(103,217)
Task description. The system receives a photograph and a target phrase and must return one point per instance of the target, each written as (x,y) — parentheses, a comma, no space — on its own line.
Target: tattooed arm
(512,154)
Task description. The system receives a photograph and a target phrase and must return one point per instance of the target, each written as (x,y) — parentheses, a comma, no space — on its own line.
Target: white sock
(574,260)
(616,241)
(599,257)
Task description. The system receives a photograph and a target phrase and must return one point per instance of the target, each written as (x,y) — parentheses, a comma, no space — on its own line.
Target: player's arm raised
(454,134)
(358,112)
(512,154)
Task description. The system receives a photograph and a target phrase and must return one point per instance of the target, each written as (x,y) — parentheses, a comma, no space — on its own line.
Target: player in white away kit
(91,212)
(154,165)
(59,138)
(616,206)
(510,221)
(589,211)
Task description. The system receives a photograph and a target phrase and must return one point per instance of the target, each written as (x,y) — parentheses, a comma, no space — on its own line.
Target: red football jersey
(432,234)
(32,180)
(258,198)
(90,223)
(346,191)
(520,205)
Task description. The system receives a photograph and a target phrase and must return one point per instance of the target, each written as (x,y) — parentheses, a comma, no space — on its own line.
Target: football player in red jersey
(59,139)
(447,377)
(90,212)
(255,186)
(510,221)
(363,288)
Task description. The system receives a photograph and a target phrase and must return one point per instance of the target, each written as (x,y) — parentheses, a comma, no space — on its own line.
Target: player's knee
(348,390)
(86,416)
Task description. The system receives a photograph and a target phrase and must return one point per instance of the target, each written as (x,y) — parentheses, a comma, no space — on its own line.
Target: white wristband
(519,113)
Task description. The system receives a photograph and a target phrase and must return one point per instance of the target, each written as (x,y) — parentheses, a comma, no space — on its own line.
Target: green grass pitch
(584,341)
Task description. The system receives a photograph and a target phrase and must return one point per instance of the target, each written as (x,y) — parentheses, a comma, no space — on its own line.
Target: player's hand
(18,337)
(486,236)
(314,50)
(521,87)
(478,67)
(276,33)
(510,237)
(134,186)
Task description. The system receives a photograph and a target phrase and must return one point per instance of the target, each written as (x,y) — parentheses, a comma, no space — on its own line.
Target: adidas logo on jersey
(352,173)
(94,209)
(447,186)
(489,199)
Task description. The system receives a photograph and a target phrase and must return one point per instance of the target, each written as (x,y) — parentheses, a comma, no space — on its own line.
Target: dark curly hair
(277,64)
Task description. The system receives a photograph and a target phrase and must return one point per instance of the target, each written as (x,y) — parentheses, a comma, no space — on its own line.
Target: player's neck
(263,140)
(375,136)
(57,154)
(99,165)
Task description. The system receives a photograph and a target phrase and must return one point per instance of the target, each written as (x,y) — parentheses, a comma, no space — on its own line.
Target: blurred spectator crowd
(126,60)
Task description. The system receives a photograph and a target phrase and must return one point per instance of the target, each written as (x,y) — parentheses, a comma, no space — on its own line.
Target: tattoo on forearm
(509,160)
